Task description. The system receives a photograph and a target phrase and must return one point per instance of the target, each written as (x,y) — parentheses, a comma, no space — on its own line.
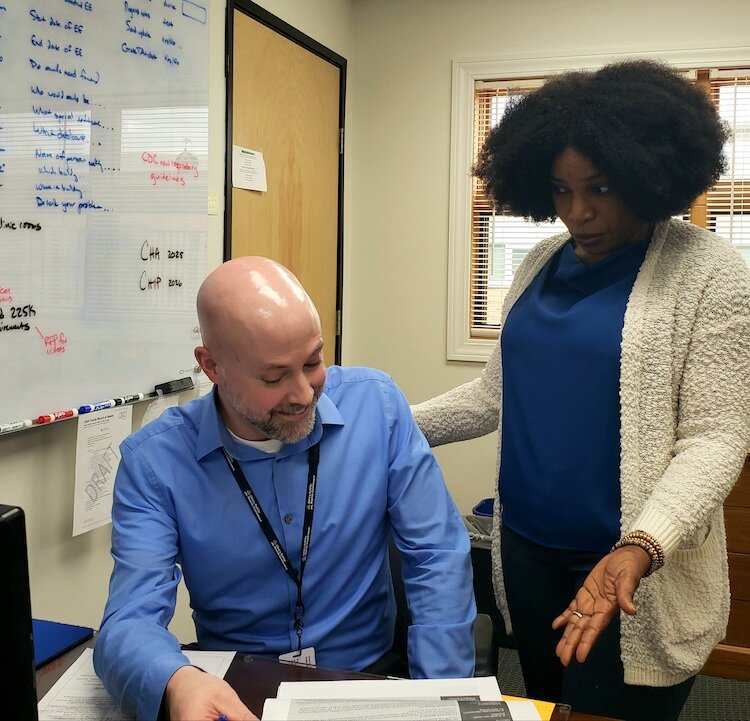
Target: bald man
(276,495)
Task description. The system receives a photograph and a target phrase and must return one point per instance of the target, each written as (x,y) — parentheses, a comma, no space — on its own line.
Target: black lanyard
(252,501)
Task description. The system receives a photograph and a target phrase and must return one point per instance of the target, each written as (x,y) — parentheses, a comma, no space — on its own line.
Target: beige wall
(396,222)
(401,99)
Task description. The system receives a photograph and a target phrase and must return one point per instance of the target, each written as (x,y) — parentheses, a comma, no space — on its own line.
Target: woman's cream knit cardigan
(685,433)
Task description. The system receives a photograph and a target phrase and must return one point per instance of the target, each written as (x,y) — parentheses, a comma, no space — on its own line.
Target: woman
(620,387)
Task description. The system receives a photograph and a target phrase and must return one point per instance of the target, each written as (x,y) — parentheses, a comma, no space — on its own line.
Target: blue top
(178,509)
(561,411)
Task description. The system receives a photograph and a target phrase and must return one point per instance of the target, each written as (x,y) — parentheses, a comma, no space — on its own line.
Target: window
(487,247)
(499,241)
(727,204)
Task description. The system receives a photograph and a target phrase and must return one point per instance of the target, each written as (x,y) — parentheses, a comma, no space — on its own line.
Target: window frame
(460,345)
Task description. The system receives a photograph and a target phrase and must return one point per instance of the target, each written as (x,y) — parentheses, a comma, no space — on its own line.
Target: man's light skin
(263,349)
(193,695)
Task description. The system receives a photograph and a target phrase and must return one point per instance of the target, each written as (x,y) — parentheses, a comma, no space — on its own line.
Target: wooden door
(286,102)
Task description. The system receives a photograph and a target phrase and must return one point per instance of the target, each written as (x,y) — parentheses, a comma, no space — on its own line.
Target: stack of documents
(397,700)
(80,696)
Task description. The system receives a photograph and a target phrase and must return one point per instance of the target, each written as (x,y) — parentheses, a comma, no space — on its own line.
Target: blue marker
(98,406)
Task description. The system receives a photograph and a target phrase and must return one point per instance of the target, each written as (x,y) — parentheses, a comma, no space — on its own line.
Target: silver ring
(578,613)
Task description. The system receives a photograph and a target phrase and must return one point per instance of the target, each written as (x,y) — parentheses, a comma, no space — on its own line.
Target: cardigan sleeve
(467,411)
(713,413)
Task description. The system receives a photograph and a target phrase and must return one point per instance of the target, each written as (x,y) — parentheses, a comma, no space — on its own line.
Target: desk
(256,679)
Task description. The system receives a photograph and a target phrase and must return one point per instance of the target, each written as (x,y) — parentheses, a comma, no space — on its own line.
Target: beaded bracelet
(648,543)
(656,549)
(659,551)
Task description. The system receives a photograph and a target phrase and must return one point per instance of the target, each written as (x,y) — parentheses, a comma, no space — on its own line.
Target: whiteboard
(103,198)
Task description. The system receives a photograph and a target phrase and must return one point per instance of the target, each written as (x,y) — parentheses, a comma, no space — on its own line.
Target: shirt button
(288,518)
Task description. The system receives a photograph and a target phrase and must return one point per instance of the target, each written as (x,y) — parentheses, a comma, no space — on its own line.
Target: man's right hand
(193,695)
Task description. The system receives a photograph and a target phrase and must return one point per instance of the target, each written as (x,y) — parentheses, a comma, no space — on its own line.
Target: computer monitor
(17,672)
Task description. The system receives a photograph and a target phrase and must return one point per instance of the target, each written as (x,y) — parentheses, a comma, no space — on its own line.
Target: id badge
(305,657)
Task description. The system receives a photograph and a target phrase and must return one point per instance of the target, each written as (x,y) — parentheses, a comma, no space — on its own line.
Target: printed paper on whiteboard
(248,169)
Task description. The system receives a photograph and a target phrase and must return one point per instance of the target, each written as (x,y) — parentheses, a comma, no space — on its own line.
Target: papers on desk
(80,696)
(396,700)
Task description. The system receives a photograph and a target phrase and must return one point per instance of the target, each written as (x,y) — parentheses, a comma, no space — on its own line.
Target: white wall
(396,220)
(401,88)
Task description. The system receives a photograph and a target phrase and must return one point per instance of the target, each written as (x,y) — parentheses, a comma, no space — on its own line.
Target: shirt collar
(213,434)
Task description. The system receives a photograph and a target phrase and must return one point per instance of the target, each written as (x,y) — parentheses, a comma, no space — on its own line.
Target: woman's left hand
(607,589)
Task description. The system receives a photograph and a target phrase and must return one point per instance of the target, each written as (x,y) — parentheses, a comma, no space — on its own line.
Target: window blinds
(728,202)
(499,241)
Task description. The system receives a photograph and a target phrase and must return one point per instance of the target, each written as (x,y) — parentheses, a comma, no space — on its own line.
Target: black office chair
(485,635)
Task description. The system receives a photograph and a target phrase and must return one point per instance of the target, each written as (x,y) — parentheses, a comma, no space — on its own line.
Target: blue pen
(222,718)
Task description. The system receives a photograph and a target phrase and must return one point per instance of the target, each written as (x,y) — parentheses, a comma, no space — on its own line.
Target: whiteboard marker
(16,425)
(128,399)
(97,406)
(58,416)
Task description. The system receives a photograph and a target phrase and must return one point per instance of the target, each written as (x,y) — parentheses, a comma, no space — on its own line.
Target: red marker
(57,416)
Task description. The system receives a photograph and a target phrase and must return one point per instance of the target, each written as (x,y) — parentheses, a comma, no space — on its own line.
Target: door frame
(261,15)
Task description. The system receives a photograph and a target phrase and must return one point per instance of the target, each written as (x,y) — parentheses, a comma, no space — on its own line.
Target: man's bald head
(252,296)
(262,348)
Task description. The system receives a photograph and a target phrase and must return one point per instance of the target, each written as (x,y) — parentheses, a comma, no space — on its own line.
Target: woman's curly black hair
(655,135)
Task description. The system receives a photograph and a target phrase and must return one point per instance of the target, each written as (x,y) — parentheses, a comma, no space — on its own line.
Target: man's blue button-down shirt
(178,510)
